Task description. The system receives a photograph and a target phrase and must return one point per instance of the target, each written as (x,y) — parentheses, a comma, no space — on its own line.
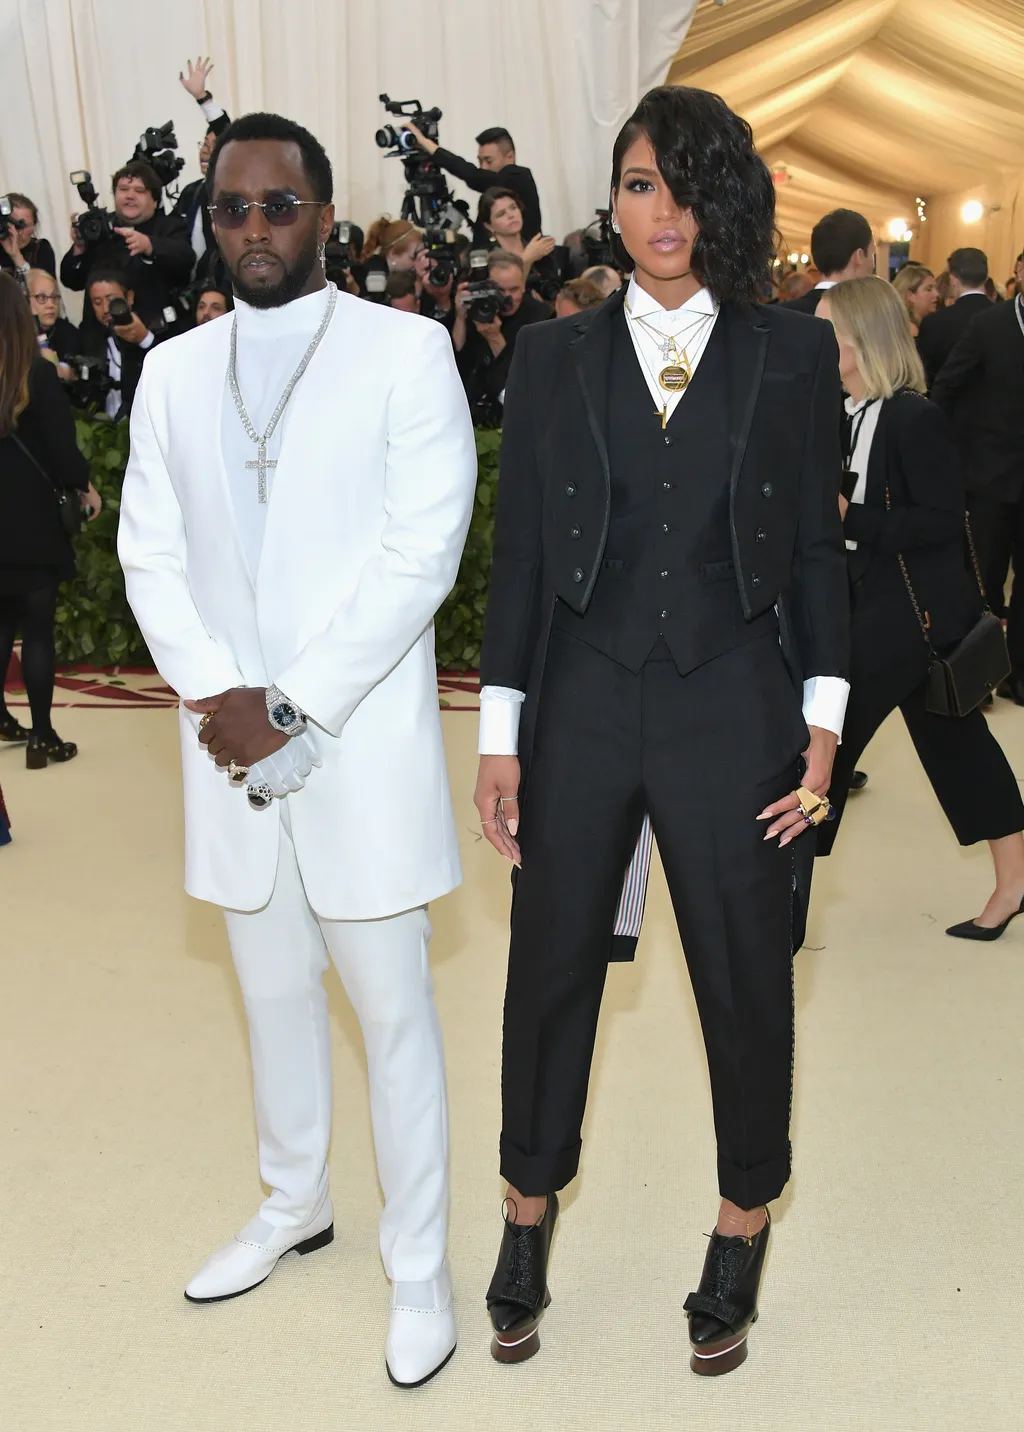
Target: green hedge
(95,626)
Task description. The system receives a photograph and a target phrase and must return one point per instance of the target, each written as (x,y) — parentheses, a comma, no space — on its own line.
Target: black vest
(668,572)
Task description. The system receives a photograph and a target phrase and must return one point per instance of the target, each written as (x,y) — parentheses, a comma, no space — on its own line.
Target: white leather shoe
(421,1334)
(252,1255)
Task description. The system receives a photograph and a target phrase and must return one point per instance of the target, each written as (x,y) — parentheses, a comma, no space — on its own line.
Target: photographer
(150,247)
(191,206)
(436,300)
(502,218)
(484,346)
(120,345)
(58,336)
(20,247)
(211,302)
(496,154)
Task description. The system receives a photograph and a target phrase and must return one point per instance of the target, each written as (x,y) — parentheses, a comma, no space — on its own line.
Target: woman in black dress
(904,498)
(38,455)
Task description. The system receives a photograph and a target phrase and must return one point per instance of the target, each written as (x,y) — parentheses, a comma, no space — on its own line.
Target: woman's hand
(92,502)
(538,248)
(195,80)
(11,247)
(496,799)
(844,506)
(785,817)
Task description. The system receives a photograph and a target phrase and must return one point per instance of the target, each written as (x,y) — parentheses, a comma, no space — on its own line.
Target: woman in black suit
(904,497)
(38,454)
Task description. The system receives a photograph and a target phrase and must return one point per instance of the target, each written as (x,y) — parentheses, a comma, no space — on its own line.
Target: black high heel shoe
(724,1307)
(970,931)
(519,1292)
(42,749)
(10,730)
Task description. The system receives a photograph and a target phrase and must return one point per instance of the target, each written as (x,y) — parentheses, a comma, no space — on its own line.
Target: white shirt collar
(642,305)
(301,316)
(826,283)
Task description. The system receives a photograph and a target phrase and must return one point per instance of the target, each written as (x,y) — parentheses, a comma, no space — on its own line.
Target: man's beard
(288,287)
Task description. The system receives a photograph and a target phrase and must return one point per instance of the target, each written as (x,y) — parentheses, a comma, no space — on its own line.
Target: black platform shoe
(519,1293)
(50,747)
(10,730)
(724,1307)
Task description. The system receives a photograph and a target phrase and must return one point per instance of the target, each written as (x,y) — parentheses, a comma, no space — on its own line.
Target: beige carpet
(893,1294)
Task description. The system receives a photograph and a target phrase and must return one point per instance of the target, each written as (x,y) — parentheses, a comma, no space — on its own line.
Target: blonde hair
(908,281)
(872,318)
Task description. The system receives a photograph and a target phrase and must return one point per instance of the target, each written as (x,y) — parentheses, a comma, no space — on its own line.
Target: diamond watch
(283,714)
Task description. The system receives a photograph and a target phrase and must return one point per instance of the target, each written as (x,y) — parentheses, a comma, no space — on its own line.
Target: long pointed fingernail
(771,834)
(765,815)
(513,826)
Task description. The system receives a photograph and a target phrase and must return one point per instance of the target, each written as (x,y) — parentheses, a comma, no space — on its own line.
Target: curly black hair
(707,158)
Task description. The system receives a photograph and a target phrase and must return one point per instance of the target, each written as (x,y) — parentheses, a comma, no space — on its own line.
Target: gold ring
(488,822)
(236,772)
(814,808)
(205,720)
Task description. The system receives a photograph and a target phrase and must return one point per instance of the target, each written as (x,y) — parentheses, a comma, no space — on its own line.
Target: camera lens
(386,137)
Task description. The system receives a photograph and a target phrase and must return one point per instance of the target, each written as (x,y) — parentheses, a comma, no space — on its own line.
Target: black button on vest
(667,572)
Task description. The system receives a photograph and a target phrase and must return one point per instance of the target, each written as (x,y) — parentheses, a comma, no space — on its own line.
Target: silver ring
(236,772)
(489,822)
(503,799)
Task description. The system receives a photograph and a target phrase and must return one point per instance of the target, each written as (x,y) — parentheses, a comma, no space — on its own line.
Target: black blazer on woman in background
(31,536)
(914,456)
(38,254)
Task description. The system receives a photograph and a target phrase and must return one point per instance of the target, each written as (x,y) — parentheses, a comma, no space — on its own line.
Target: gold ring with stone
(236,772)
(205,720)
(814,808)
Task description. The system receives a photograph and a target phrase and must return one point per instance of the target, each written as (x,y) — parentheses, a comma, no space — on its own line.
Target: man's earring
(615,227)
(321,254)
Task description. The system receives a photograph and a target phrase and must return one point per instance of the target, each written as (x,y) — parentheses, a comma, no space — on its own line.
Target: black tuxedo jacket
(940,331)
(554,495)
(981,387)
(154,280)
(513,176)
(914,457)
(94,345)
(807,302)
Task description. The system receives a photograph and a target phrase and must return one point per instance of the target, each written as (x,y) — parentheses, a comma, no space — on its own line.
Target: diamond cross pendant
(261,463)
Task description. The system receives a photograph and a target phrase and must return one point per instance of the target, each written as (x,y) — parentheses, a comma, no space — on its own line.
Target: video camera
(428,202)
(95,224)
(7,221)
(156,146)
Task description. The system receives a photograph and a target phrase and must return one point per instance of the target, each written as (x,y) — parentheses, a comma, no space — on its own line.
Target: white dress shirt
(824,697)
(864,436)
(112,406)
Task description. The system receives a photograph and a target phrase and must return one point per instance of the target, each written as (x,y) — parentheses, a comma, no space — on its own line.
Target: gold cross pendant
(663,414)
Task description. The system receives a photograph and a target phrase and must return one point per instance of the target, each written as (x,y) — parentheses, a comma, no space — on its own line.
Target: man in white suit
(299,490)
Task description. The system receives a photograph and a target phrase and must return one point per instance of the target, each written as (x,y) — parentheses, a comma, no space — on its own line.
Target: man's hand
(496,798)
(139,245)
(430,145)
(785,817)
(77,246)
(492,335)
(195,80)
(133,332)
(240,730)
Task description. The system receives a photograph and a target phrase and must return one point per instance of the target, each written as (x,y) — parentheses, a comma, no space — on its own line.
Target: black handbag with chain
(959,681)
(69,500)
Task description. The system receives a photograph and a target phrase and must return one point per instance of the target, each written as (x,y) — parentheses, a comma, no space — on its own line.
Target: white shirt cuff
(146,342)
(211,109)
(825,699)
(500,707)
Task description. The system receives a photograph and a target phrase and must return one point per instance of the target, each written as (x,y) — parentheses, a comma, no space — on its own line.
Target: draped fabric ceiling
(868,104)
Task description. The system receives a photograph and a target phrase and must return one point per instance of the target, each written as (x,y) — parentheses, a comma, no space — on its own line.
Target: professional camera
(95,224)
(428,202)
(7,222)
(157,148)
(547,286)
(598,246)
(89,387)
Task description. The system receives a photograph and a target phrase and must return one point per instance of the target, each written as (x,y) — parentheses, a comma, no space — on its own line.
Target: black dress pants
(961,758)
(704,754)
(998,531)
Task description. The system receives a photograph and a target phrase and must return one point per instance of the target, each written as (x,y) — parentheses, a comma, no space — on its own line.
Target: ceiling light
(972,211)
(908,234)
(803,258)
(897,228)
(794,258)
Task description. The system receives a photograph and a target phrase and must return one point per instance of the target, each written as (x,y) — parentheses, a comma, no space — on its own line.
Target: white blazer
(368,515)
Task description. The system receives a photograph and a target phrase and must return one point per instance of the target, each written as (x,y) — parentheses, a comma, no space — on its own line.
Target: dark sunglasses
(279,209)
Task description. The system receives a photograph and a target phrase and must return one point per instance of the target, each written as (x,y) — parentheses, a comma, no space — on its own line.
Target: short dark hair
(490,197)
(836,238)
(400,284)
(139,169)
(498,258)
(200,290)
(970,266)
(108,275)
(22,201)
(498,136)
(260,125)
(707,158)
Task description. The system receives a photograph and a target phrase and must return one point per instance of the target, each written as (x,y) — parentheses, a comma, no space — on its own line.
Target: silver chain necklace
(261,464)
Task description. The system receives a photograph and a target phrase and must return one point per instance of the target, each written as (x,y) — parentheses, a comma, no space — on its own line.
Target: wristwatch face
(284,714)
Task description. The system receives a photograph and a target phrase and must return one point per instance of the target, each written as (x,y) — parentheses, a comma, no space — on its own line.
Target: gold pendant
(674,379)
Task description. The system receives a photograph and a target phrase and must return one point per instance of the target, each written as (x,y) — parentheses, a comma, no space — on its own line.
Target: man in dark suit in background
(496,156)
(119,348)
(968,270)
(192,202)
(842,246)
(981,385)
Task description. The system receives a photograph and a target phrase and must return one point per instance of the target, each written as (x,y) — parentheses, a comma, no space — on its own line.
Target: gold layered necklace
(677,374)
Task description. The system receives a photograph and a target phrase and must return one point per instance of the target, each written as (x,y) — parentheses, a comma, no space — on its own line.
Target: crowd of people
(716,652)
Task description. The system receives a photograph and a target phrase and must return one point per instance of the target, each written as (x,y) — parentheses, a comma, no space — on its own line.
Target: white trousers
(280,959)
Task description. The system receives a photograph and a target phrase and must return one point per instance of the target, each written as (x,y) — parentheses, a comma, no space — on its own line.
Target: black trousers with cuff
(704,754)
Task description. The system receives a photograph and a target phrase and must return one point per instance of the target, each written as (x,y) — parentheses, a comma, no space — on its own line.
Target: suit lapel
(747,339)
(591,352)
